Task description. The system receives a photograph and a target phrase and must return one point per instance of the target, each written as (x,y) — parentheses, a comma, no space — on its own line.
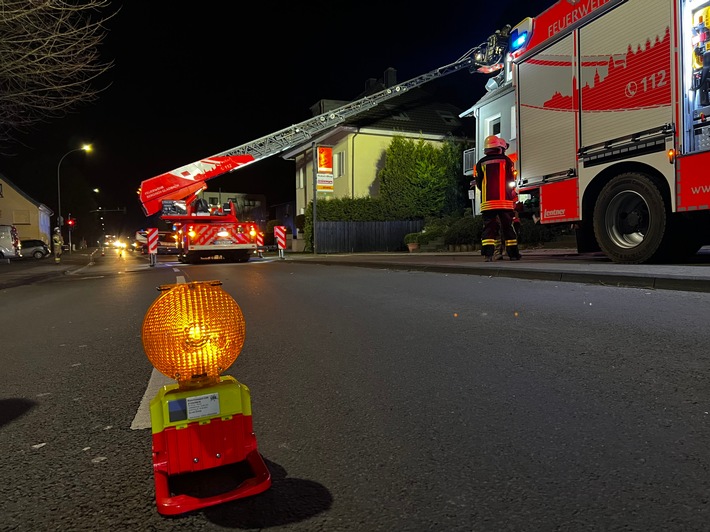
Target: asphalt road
(383,400)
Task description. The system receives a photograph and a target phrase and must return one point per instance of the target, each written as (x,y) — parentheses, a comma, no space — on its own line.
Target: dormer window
(397,115)
(448,117)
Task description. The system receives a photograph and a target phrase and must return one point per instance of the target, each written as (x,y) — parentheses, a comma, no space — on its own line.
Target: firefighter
(57,243)
(496,181)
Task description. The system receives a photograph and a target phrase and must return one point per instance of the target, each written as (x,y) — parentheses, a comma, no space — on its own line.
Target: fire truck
(606,106)
(207,232)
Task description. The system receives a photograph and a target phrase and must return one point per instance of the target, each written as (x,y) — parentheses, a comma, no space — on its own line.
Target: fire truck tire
(630,219)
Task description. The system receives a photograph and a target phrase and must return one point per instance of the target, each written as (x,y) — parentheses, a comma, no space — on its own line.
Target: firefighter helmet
(56,229)
(493,141)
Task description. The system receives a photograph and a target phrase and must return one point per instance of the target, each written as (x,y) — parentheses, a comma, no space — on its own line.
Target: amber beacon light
(202,425)
(193,333)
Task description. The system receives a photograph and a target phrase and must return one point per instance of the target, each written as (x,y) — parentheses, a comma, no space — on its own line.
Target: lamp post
(60,220)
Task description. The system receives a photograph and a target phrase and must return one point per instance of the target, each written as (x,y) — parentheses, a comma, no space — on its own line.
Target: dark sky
(192,80)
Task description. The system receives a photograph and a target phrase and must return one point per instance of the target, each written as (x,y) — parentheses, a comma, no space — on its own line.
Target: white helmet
(56,229)
(493,141)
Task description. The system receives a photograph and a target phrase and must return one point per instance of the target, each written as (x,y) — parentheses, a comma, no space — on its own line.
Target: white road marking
(142,417)
(157,381)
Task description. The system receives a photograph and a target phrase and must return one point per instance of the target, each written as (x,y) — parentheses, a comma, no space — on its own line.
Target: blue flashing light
(517,40)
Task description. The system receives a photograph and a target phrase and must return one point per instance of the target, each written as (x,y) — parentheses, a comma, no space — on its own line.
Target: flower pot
(413,247)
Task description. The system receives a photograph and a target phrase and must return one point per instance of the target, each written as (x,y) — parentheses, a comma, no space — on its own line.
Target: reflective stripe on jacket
(496,181)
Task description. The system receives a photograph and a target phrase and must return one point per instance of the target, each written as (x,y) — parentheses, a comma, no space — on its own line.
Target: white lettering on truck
(554,213)
(573,16)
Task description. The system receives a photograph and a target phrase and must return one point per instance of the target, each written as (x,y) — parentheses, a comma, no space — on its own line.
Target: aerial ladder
(181,183)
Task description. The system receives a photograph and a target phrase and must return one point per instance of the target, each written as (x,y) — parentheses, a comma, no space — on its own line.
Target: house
(494,114)
(359,144)
(31,218)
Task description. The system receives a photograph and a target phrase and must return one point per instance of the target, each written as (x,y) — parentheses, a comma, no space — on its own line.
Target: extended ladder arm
(181,183)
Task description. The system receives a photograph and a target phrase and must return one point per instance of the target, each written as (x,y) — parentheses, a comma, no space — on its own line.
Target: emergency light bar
(518,40)
(520,35)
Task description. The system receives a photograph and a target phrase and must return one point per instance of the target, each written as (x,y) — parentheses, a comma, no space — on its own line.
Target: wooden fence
(362,237)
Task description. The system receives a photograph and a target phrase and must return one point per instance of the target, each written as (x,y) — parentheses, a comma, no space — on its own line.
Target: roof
(417,110)
(487,98)
(414,111)
(21,193)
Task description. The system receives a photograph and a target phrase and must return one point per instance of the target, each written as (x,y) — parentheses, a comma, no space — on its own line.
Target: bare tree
(49,61)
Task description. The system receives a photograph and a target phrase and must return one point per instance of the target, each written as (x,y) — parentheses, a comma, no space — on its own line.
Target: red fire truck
(204,232)
(608,113)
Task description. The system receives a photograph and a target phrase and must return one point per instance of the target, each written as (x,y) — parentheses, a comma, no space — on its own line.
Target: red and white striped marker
(151,236)
(280,235)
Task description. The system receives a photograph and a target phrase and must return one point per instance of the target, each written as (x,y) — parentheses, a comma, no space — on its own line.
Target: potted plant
(412,241)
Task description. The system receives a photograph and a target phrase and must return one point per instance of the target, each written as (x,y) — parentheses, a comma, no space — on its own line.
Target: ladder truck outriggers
(209,234)
(606,106)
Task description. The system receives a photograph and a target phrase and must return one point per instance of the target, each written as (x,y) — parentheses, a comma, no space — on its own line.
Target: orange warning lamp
(671,156)
(202,424)
(193,333)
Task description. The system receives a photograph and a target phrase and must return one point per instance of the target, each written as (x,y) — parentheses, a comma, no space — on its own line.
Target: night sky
(190,82)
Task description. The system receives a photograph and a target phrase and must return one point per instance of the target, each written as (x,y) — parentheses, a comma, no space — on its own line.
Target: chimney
(390,77)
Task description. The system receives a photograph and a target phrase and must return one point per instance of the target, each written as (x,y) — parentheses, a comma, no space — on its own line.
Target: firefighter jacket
(57,242)
(496,181)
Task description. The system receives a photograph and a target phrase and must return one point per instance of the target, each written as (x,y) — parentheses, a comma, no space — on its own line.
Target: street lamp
(60,221)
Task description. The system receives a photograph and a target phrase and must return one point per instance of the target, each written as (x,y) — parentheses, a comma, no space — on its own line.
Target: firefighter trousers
(498,223)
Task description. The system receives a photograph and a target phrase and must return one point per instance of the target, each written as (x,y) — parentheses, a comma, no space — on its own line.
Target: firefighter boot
(513,252)
(487,252)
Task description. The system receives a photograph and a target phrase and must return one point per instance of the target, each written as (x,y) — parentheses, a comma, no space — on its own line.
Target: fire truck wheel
(630,220)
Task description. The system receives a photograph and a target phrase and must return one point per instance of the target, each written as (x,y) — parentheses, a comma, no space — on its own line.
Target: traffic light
(71,222)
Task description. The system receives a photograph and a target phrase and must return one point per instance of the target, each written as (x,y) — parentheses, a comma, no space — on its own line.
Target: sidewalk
(17,272)
(548,264)
(561,265)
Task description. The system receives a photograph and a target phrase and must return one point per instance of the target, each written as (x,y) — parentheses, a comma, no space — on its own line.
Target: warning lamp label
(193,407)
(202,405)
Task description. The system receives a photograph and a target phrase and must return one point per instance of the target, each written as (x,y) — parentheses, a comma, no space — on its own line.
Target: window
(301,178)
(493,125)
(397,115)
(21,217)
(448,117)
(338,165)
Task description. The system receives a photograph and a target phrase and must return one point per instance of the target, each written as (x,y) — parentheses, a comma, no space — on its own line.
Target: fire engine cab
(606,106)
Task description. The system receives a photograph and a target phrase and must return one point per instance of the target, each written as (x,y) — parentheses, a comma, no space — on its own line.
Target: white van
(9,242)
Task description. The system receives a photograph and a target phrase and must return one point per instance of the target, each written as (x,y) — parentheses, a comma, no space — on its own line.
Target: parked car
(34,248)
(9,242)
